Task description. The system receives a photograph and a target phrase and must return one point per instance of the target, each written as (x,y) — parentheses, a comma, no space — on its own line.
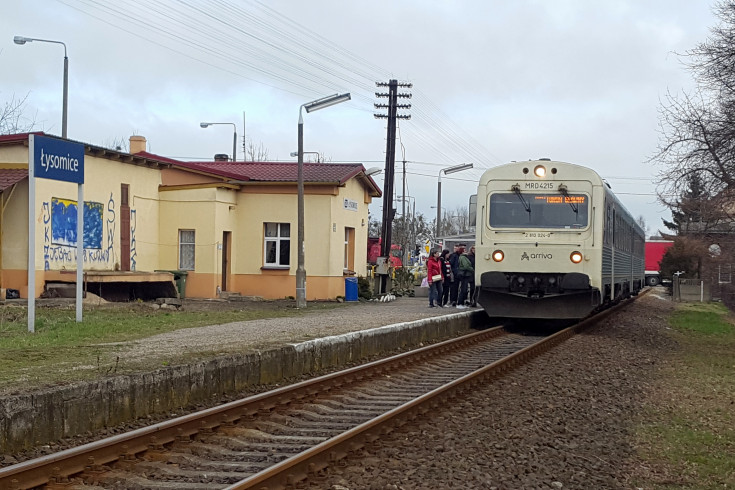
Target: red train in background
(655,250)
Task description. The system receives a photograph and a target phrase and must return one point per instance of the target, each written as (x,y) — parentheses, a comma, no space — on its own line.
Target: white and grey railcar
(553,242)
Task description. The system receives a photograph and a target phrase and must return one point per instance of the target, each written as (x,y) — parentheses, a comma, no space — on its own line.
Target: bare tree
(409,231)
(697,131)
(12,117)
(119,143)
(456,221)
(642,223)
(256,153)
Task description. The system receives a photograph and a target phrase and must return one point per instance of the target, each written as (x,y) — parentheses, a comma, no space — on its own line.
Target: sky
(493,81)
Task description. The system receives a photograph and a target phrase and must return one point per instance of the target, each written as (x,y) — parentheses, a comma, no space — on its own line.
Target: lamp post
(296,153)
(234,136)
(447,171)
(22,40)
(314,105)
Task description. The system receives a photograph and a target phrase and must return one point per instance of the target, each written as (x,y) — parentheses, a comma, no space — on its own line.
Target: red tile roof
(274,171)
(10,176)
(280,171)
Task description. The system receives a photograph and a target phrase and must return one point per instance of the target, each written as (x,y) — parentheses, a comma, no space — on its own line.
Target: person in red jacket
(434,270)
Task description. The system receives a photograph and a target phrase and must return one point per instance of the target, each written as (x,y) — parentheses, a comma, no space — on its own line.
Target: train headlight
(539,171)
(498,256)
(576,257)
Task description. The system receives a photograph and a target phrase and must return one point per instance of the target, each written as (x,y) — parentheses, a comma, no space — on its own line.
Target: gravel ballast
(563,421)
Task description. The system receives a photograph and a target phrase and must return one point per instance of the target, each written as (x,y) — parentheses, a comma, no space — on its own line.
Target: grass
(62,350)
(687,433)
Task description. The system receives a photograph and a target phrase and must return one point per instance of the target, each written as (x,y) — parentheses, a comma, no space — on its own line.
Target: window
(277,244)
(532,210)
(186,250)
(349,262)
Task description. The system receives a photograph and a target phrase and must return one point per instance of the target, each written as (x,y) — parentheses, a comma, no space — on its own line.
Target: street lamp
(447,171)
(314,105)
(22,40)
(296,153)
(234,137)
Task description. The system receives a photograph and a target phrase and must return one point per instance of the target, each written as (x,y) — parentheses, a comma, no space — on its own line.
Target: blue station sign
(58,159)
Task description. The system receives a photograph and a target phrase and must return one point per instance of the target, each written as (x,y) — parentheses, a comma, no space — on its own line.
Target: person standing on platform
(473,297)
(454,261)
(448,278)
(466,272)
(435,277)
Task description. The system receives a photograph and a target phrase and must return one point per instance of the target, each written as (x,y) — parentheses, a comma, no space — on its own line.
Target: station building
(224,227)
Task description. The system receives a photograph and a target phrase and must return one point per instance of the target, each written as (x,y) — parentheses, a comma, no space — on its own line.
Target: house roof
(281,171)
(11,176)
(287,172)
(240,172)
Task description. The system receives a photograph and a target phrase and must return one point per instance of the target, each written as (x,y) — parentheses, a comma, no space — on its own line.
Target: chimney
(221,157)
(137,144)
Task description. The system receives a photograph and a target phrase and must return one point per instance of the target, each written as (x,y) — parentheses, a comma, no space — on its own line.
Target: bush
(364,287)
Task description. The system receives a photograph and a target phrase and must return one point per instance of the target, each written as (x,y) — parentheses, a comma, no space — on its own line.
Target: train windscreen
(529,210)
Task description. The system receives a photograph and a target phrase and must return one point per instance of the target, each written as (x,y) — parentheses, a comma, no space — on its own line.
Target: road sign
(57,159)
(54,159)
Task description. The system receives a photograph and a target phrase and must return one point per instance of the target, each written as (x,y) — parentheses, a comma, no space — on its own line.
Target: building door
(226,246)
(124,228)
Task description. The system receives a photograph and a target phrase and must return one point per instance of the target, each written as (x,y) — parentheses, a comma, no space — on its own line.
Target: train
(553,242)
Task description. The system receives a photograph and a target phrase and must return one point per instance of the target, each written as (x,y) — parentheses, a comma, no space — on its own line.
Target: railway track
(278,438)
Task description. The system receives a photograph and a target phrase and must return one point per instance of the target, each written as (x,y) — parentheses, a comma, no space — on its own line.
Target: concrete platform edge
(31,419)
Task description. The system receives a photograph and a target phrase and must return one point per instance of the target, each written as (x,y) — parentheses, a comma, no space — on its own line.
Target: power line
(255,42)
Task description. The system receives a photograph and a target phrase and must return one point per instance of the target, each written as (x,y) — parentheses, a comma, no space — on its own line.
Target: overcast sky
(493,81)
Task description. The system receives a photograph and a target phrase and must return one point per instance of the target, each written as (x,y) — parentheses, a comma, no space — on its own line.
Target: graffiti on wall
(60,232)
(133,244)
(111,226)
(64,223)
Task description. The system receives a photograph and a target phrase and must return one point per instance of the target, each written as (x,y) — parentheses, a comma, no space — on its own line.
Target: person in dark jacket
(454,261)
(448,277)
(473,291)
(467,276)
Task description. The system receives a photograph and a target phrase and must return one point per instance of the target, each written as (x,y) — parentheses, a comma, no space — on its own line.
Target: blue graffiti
(111,225)
(92,224)
(64,223)
(46,237)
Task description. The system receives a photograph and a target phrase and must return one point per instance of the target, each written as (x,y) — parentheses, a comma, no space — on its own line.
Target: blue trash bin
(350,289)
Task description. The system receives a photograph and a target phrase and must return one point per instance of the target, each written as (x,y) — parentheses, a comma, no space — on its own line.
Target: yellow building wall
(208,212)
(325,219)
(14,222)
(55,251)
(15,156)
(343,217)
(15,237)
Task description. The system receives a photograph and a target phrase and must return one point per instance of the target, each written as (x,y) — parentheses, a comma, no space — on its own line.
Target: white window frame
(183,243)
(278,239)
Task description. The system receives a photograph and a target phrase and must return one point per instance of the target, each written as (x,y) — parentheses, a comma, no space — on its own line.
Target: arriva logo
(59,162)
(525,256)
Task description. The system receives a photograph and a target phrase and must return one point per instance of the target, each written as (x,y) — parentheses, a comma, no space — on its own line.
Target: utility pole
(390,160)
(403,212)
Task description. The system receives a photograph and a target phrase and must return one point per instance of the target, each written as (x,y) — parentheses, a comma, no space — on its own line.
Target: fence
(691,290)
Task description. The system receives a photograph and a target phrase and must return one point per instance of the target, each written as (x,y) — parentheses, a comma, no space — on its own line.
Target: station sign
(57,159)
